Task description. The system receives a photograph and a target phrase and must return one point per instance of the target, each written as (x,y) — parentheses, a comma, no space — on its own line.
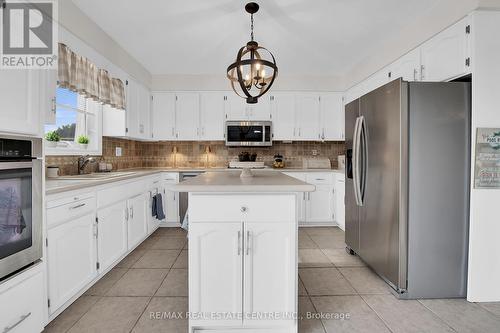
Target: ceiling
(193,37)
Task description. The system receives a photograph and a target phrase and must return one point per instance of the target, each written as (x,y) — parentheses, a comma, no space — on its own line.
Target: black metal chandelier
(254,71)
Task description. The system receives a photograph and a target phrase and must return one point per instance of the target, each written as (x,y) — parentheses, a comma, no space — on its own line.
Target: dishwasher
(184,196)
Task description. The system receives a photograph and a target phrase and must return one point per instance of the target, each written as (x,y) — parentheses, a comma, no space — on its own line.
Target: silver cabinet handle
(23,318)
(54,106)
(239,242)
(415,72)
(243,209)
(131,212)
(422,72)
(248,242)
(320,178)
(77,206)
(126,214)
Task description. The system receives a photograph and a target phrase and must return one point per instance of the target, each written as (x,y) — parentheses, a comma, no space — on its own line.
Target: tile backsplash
(193,154)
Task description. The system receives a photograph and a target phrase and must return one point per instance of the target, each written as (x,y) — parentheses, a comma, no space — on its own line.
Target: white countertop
(57,185)
(262,181)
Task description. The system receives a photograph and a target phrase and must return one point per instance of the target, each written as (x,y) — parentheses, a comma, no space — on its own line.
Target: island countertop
(262,181)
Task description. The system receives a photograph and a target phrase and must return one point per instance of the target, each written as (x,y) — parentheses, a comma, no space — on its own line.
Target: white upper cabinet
(163,116)
(307,117)
(187,115)
(283,115)
(236,108)
(21,98)
(446,55)
(138,110)
(406,67)
(212,116)
(332,117)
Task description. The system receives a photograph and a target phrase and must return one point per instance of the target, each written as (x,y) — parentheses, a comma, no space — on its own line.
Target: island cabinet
(242,262)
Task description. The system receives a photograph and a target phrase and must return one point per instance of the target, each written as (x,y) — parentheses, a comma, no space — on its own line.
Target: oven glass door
(237,133)
(16,220)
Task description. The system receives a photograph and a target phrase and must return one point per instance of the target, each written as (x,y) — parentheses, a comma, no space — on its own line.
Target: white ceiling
(320,37)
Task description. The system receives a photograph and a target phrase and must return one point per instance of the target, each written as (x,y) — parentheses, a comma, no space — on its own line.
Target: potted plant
(83,141)
(52,138)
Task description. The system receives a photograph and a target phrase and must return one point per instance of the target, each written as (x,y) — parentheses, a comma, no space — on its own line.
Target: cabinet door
(111,234)
(215,269)
(137,219)
(187,115)
(319,207)
(444,56)
(406,67)
(212,116)
(270,269)
(171,204)
(48,95)
(144,103)
(163,116)
(307,117)
(301,196)
(132,109)
(332,117)
(340,202)
(20,98)
(283,115)
(71,255)
(235,107)
(261,110)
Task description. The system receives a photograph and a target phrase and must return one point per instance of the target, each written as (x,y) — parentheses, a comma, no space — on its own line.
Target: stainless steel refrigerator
(407,185)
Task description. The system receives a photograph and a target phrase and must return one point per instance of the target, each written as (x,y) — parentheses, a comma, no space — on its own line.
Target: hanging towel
(158,203)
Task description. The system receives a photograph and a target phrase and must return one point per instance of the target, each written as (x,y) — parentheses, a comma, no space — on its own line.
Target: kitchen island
(243,251)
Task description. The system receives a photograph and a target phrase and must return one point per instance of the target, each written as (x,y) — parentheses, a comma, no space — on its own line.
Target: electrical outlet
(314,152)
(118,151)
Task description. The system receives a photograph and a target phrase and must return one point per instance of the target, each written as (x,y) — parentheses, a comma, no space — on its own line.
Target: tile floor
(331,283)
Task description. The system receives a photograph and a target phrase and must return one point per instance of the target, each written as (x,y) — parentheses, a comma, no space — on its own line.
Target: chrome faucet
(83,161)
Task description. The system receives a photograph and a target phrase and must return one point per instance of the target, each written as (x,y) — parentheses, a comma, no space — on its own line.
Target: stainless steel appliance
(249,133)
(184,196)
(407,185)
(20,203)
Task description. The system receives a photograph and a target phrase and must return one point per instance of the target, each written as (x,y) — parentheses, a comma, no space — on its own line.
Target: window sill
(71,151)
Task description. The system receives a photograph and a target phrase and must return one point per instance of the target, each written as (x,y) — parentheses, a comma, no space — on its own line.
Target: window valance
(78,74)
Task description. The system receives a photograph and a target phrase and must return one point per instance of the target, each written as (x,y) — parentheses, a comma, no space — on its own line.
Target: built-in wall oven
(249,133)
(20,203)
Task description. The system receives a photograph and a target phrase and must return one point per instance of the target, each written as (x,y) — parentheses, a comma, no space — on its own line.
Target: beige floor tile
(138,282)
(157,259)
(148,243)
(348,314)
(322,231)
(175,284)
(464,316)
(71,315)
(131,259)
(302,289)
(106,282)
(406,316)
(182,260)
(329,241)
(313,258)
(305,242)
(325,281)
(169,243)
(340,258)
(148,323)
(308,322)
(493,307)
(364,280)
(175,232)
(112,315)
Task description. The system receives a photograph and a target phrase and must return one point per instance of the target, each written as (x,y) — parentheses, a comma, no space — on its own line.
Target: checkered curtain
(78,74)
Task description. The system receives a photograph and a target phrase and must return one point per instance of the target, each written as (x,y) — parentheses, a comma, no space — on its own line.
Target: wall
(79,24)
(191,154)
(484,237)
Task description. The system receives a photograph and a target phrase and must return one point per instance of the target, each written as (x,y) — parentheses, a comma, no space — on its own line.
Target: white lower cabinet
(137,219)
(23,302)
(340,201)
(112,234)
(71,252)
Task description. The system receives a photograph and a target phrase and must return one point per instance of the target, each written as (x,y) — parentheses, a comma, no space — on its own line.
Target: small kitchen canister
(52,172)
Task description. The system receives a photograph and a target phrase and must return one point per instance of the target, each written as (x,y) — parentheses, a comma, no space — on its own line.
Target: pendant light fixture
(254,71)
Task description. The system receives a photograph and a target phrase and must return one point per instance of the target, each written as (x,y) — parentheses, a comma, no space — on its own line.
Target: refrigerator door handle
(355,160)
(364,160)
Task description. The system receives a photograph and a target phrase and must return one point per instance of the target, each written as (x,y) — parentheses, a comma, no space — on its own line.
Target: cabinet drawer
(234,208)
(318,178)
(22,306)
(120,192)
(66,212)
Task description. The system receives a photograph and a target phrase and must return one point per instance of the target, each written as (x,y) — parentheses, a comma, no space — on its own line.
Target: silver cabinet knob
(243,209)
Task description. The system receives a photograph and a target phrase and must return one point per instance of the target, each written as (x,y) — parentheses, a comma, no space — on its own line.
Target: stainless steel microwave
(249,133)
